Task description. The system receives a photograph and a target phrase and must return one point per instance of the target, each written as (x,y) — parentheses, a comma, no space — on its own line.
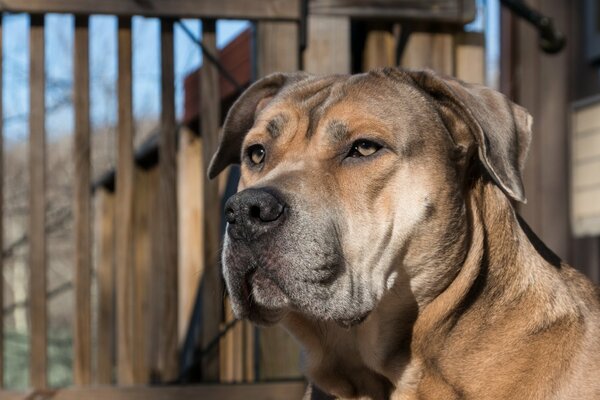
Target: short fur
(406,274)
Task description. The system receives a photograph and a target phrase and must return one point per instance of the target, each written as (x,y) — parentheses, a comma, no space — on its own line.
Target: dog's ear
(478,116)
(241,117)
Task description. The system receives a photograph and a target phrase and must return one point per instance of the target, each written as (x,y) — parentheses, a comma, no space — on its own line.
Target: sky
(103,67)
(146,66)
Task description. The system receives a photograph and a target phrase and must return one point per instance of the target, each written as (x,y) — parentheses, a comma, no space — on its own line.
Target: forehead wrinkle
(276,125)
(336,130)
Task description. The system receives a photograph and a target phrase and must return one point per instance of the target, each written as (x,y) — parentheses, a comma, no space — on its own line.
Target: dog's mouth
(261,299)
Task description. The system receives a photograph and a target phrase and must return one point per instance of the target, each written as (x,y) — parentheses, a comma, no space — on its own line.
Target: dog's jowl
(375,220)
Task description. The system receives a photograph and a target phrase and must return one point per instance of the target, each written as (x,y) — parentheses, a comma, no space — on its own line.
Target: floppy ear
(241,117)
(500,129)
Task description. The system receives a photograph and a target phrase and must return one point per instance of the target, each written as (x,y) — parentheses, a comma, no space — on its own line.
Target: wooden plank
(328,49)
(223,9)
(37,204)
(167,227)
(145,185)
(212,286)
(469,57)
(249,348)
(451,11)
(587,146)
(124,208)
(586,174)
(227,356)
(105,239)
(262,391)
(276,47)
(380,49)
(276,51)
(190,184)
(1,214)
(429,50)
(82,335)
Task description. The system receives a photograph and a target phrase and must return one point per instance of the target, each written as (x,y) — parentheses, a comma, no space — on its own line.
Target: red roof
(235,58)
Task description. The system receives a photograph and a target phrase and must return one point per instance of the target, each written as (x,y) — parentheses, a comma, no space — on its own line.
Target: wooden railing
(135,229)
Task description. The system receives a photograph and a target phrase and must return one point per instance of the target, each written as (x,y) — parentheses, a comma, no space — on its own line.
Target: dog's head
(350,184)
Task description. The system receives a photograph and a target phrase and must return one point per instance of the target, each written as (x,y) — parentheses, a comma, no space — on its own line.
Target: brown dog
(375,222)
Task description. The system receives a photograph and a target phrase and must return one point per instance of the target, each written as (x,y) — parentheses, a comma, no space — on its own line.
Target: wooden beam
(167,207)
(262,391)
(1,218)
(82,347)
(105,239)
(469,57)
(449,11)
(223,9)
(124,208)
(328,49)
(37,204)
(212,285)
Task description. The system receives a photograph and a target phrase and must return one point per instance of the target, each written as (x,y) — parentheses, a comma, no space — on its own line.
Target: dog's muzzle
(252,213)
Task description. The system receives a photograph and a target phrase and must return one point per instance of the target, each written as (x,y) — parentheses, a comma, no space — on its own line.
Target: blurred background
(110,230)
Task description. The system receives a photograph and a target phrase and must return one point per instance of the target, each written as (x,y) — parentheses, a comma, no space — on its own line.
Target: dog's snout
(252,213)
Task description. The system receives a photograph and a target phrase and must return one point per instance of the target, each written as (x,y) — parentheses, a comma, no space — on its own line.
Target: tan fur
(468,302)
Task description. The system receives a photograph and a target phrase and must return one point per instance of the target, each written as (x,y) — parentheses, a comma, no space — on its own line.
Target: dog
(375,220)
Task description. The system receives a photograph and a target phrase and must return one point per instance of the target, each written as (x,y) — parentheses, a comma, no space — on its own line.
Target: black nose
(253,212)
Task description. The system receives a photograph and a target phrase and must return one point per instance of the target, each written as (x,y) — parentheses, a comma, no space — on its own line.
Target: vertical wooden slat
(279,352)
(168,203)
(328,50)
(82,352)
(1,212)
(429,50)
(212,287)
(105,236)
(124,208)
(143,214)
(37,203)
(190,181)
(469,57)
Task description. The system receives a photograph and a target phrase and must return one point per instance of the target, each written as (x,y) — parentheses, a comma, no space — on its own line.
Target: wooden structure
(548,86)
(157,210)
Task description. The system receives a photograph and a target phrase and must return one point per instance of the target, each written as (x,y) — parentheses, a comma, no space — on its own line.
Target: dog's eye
(363,148)
(256,154)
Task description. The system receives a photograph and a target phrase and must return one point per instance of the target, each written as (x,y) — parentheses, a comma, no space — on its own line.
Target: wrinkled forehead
(338,102)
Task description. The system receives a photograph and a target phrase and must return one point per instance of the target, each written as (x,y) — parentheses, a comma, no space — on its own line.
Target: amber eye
(256,154)
(363,148)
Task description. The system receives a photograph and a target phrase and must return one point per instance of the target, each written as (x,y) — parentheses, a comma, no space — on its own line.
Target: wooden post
(212,286)
(328,50)
(82,349)
(37,204)
(429,50)
(277,50)
(145,185)
(469,57)
(380,47)
(167,206)
(190,183)
(105,239)
(1,218)
(124,209)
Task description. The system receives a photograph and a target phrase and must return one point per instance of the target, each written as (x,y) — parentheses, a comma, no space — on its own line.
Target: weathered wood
(328,48)
(124,208)
(212,286)
(190,183)
(1,215)
(380,49)
(167,207)
(82,336)
(469,57)
(249,351)
(105,242)
(262,391)
(224,9)
(144,212)
(429,50)
(276,47)
(37,204)
(451,11)
(227,356)
(280,354)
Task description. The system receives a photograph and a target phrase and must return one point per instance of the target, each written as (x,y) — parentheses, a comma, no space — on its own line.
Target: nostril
(254,212)
(230,215)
